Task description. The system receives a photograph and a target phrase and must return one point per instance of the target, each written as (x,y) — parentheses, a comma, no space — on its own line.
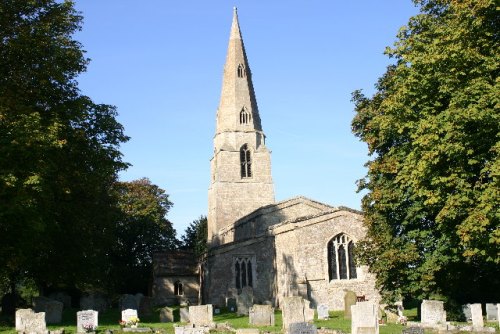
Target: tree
(142,230)
(195,236)
(59,151)
(432,129)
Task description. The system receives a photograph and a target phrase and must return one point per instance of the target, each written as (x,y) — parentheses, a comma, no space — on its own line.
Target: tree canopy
(195,236)
(432,130)
(59,151)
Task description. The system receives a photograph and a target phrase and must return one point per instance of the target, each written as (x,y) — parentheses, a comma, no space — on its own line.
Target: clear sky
(161,62)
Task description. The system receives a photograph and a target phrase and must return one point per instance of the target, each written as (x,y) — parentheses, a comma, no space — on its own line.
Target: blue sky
(161,62)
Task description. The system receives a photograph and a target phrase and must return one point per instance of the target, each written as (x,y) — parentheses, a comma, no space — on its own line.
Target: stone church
(294,247)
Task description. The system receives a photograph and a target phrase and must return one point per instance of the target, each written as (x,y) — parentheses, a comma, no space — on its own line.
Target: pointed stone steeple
(241,179)
(238,107)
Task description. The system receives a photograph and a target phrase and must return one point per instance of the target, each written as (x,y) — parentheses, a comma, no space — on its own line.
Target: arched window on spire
(245,116)
(241,71)
(245,161)
(341,263)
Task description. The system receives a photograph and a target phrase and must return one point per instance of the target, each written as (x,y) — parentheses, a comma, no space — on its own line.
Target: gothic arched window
(178,288)
(245,161)
(243,272)
(245,116)
(241,71)
(341,263)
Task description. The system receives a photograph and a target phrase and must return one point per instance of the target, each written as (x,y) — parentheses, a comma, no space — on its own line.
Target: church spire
(238,109)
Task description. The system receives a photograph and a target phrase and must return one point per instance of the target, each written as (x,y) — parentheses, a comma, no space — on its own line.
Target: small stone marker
(432,312)
(477,315)
(364,318)
(231,304)
(201,315)
(323,310)
(302,328)
(86,318)
(129,314)
(166,314)
(244,301)
(30,322)
(491,312)
(184,314)
(349,300)
(413,330)
(261,315)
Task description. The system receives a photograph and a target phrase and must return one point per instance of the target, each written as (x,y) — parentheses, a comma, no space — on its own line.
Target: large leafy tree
(432,129)
(195,236)
(59,151)
(142,230)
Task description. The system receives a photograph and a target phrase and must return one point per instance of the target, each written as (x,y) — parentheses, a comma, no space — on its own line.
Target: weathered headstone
(86,318)
(322,310)
(364,317)
(302,328)
(52,308)
(166,314)
(491,312)
(184,314)
(244,301)
(432,312)
(466,311)
(93,301)
(129,314)
(349,300)
(201,315)
(146,307)
(477,315)
(261,315)
(413,330)
(30,322)
(295,309)
(62,297)
(231,304)
(128,302)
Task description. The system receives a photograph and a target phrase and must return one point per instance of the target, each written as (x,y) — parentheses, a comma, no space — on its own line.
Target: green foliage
(59,152)
(195,236)
(432,129)
(142,230)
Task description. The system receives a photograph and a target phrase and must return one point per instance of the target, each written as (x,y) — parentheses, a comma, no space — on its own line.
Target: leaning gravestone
(85,319)
(364,318)
(302,328)
(244,301)
(322,310)
(261,315)
(432,312)
(491,312)
(349,300)
(129,314)
(477,315)
(184,314)
(52,308)
(166,314)
(28,321)
(201,315)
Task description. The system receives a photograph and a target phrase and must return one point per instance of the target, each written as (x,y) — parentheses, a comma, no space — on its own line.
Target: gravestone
(491,312)
(128,302)
(86,318)
(231,304)
(477,315)
(166,314)
(349,300)
(184,314)
(364,317)
(261,315)
(62,297)
(201,315)
(146,307)
(323,310)
(295,309)
(302,328)
(129,314)
(244,301)
(52,308)
(28,321)
(413,330)
(466,311)
(93,301)
(432,312)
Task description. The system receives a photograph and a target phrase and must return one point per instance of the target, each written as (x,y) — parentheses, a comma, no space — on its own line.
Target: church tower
(241,179)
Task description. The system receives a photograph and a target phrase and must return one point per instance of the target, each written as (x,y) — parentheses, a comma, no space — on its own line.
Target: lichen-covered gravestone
(201,315)
(28,321)
(349,300)
(296,309)
(432,312)
(477,315)
(364,318)
(85,319)
(261,315)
